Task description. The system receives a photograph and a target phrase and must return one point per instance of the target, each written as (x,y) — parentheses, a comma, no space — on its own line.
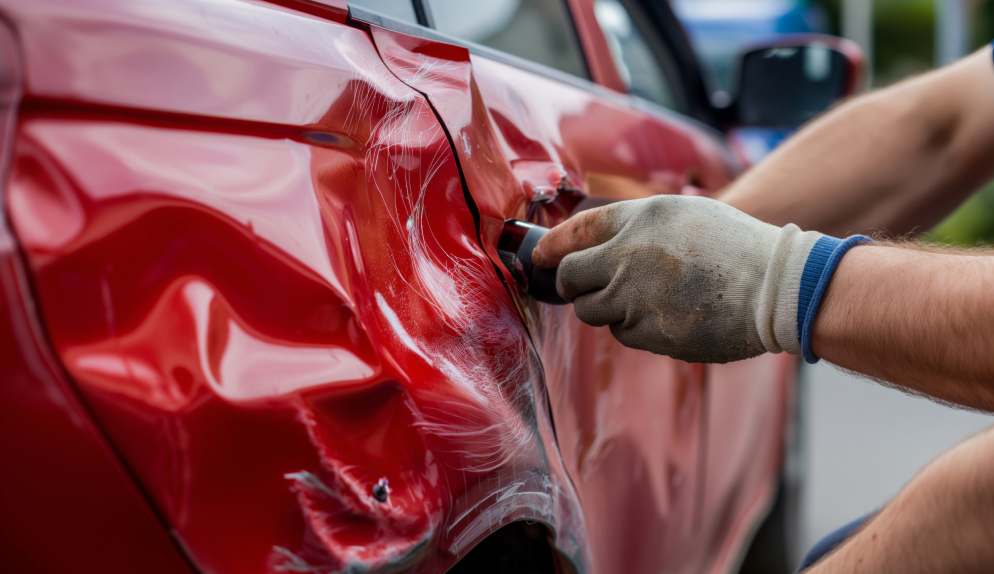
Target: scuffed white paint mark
(480,347)
(294,563)
(487,352)
(310,481)
(509,491)
(492,517)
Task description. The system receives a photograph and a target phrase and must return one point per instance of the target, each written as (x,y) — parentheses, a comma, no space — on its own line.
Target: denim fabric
(829,543)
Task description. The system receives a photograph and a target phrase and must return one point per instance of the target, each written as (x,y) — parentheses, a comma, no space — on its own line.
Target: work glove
(693,278)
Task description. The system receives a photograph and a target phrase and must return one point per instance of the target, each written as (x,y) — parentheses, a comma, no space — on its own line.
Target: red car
(254,320)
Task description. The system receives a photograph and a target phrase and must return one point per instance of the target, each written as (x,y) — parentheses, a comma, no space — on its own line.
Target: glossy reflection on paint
(633,429)
(252,253)
(270,323)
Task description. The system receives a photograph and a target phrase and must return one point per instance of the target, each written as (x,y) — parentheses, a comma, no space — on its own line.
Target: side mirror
(793,80)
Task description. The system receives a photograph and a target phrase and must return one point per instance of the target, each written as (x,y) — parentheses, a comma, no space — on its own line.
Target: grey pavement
(864,442)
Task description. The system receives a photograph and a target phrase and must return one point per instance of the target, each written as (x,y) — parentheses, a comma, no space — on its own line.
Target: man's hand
(687,277)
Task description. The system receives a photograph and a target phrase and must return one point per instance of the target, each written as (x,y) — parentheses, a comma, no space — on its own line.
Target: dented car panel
(261,241)
(60,483)
(622,417)
(279,313)
(637,424)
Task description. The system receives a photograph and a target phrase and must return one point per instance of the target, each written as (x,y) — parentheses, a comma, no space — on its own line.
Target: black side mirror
(791,82)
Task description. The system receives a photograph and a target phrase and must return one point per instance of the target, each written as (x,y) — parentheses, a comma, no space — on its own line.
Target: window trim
(422,11)
(384,21)
(374,18)
(670,32)
(665,60)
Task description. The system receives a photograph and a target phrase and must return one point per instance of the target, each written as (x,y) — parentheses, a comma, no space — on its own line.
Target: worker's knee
(968,468)
(976,452)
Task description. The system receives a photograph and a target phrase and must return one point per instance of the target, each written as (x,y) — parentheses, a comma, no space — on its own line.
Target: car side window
(639,66)
(536,30)
(402,10)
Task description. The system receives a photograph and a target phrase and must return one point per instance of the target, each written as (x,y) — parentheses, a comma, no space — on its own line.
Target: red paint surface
(66,502)
(631,426)
(60,485)
(253,256)
(268,318)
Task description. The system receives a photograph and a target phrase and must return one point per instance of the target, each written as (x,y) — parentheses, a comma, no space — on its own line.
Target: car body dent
(264,251)
(268,288)
(616,411)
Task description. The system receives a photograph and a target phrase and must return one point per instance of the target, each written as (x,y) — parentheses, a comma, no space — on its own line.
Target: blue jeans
(830,542)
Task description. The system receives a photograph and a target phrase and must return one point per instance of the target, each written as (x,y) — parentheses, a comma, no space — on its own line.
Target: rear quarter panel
(253,256)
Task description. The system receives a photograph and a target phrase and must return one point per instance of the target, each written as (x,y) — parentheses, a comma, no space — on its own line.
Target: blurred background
(864,441)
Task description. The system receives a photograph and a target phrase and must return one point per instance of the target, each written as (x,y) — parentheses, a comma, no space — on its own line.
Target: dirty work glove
(693,278)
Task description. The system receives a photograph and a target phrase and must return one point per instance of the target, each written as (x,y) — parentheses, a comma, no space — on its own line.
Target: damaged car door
(536,140)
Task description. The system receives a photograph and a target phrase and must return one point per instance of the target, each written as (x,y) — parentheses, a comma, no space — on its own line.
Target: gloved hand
(690,277)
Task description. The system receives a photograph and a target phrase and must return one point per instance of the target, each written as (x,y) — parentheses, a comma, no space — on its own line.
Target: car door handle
(543,181)
(544,193)
(550,190)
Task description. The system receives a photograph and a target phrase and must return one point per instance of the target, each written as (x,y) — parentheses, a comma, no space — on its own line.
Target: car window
(640,69)
(402,10)
(537,30)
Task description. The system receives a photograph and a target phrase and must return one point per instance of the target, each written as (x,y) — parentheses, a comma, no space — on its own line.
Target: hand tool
(515,249)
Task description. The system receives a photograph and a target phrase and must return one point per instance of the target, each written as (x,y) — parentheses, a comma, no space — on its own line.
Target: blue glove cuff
(822,260)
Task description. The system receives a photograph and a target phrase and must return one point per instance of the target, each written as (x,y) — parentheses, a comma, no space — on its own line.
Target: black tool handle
(516,245)
(541,282)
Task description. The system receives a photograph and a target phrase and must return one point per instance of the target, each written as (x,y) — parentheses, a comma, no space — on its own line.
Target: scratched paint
(272,319)
(630,426)
(254,257)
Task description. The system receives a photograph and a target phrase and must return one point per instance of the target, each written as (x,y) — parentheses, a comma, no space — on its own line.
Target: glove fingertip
(566,278)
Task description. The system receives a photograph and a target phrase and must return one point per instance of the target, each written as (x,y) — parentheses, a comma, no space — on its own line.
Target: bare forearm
(923,321)
(942,522)
(822,179)
(897,159)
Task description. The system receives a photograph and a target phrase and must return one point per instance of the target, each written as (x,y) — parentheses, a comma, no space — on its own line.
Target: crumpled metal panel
(634,429)
(628,423)
(259,268)
(60,483)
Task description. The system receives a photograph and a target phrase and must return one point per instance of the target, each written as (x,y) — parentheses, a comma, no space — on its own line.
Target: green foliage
(904,34)
(972,224)
(983,23)
(834,9)
(904,38)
